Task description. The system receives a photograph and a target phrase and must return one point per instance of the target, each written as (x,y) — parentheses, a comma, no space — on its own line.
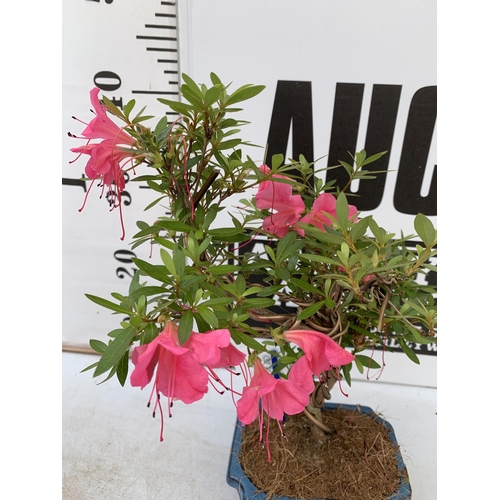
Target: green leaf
(359,228)
(408,351)
(150,333)
(168,261)
(342,209)
(359,365)
(301,284)
(179,260)
(229,144)
(93,365)
(173,225)
(241,338)
(425,229)
(243,93)
(122,369)
(127,109)
(112,108)
(212,95)
(191,84)
(346,370)
(144,291)
(319,258)
(228,235)
(157,272)
(208,315)
(222,269)
(185,326)
(373,158)
(179,107)
(116,349)
(215,79)
(218,301)
(271,290)
(107,304)
(276,161)
(98,345)
(367,361)
(310,310)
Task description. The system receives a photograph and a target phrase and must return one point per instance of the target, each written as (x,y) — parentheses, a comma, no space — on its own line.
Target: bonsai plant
(293,316)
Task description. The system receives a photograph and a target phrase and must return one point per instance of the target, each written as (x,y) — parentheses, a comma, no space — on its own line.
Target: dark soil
(356,462)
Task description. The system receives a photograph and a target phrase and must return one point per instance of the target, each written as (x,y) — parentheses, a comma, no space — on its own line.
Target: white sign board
(340,76)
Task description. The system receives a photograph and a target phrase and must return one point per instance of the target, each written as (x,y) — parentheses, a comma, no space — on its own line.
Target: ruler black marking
(166,44)
(167,38)
(152,92)
(158,26)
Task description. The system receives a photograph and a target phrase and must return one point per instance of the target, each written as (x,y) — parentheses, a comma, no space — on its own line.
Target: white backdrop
(381,55)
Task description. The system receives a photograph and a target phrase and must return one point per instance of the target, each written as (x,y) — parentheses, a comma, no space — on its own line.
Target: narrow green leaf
(346,370)
(310,310)
(218,301)
(367,361)
(150,333)
(258,303)
(208,315)
(271,290)
(301,284)
(112,108)
(408,351)
(212,95)
(169,262)
(425,229)
(179,107)
(229,144)
(93,365)
(342,210)
(373,158)
(157,272)
(319,258)
(122,369)
(276,161)
(359,228)
(244,93)
(179,260)
(241,338)
(359,365)
(116,349)
(98,345)
(192,85)
(185,326)
(107,304)
(145,291)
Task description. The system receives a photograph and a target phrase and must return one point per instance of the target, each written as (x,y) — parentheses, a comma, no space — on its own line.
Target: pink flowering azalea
(106,157)
(321,351)
(278,197)
(276,396)
(178,370)
(324,204)
(102,127)
(218,353)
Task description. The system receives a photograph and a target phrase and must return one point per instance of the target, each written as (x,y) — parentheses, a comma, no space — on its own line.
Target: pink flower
(106,156)
(102,127)
(324,204)
(277,396)
(180,373)
(278,197)
(321,352)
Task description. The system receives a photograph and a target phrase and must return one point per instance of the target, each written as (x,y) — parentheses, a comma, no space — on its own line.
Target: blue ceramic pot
(248,491)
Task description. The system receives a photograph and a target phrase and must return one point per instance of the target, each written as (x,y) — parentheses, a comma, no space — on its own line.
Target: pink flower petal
(320,350)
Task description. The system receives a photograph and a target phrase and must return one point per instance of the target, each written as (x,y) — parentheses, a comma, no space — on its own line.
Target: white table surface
(111,448)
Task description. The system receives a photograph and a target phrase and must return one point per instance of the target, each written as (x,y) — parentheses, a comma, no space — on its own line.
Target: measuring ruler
(130,50)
